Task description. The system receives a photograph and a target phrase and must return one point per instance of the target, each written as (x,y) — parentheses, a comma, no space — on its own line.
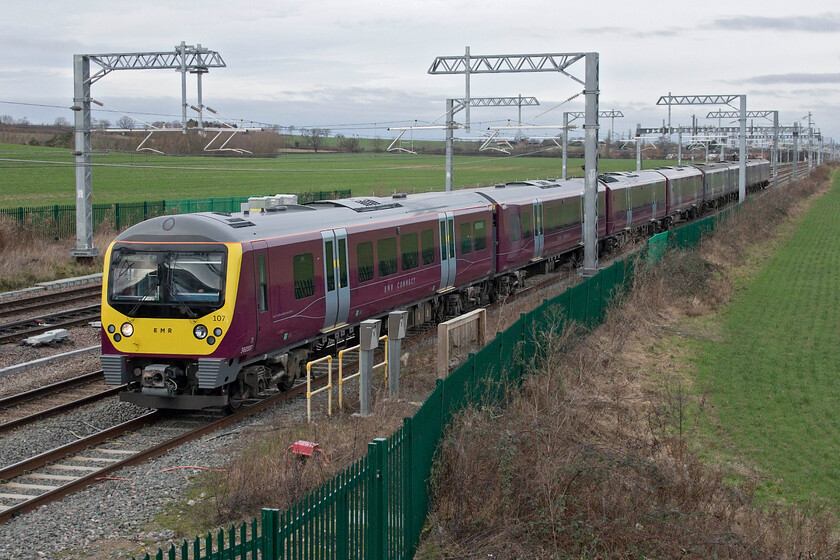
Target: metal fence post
(374,517)
(409,538)
(270,530)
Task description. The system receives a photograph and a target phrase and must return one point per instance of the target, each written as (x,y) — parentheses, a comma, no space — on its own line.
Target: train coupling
(162,379)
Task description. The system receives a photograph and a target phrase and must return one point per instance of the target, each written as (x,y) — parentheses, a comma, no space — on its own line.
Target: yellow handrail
(327,387)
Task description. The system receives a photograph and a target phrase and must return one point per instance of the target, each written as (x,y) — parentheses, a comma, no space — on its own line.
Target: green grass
(774,377)
(32,176)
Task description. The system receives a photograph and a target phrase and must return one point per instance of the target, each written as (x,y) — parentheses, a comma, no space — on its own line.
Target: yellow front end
(197,337)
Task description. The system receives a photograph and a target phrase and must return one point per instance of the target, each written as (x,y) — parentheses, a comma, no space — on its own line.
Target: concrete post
(369,334)
(397,326)
(450,125)
(183,50)
(775,148)
(84,184)
(679,147)
(590,189)
(638,147)
(565,145)
(742,151)
(795,151)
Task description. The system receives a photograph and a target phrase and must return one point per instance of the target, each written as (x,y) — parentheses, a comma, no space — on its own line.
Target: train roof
(679,171)
(627,179)
(518,191)
(296,219)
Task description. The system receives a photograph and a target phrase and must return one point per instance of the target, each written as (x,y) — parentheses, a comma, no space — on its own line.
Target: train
(208,310)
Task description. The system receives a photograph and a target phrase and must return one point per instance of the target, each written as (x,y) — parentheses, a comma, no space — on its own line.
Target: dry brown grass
(262,473)
(591,460)
(27,258)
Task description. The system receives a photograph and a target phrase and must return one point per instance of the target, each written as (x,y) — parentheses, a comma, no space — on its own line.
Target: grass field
(774,374)
(33,176)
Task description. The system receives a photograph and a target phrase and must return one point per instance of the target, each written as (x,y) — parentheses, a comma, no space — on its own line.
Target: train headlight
(127,329)
(200,332)
(217,332)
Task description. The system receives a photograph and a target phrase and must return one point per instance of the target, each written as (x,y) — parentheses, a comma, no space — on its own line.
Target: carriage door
(261,288)
(336,274)
(447,249)
(539,233)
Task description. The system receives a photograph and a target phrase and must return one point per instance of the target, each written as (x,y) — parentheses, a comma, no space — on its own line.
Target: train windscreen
(166,284)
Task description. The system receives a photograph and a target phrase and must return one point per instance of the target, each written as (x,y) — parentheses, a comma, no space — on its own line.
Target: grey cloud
(794,78)
(822,23)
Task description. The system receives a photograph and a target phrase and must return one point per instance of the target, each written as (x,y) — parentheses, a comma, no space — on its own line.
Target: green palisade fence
(376,507)
(59,221)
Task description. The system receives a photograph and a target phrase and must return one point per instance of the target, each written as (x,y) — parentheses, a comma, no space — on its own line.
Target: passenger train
(210,309)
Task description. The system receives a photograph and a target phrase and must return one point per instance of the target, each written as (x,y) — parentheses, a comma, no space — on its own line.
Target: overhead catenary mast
(468,64)
(185,58)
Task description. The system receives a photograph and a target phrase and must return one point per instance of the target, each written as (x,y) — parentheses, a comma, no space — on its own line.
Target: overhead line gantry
(185,58)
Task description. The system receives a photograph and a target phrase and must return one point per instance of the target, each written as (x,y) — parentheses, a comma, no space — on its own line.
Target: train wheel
(239,394)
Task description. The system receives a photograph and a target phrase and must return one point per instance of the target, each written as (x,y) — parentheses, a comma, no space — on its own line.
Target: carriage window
(342,263)
(263,292)
(480,235)
(427,245)
(330,266)
(552,217)
(466,238)
(527,220)
(408,245)
(303,267)
(515,228)
(571,214)
(364,258)
(386,250)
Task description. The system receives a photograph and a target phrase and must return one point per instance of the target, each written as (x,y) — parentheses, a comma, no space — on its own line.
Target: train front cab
(167,315)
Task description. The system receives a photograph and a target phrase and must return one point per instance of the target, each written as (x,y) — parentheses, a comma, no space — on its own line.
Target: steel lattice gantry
(571,116)
(719,100)
(468,64)
(185,58)
(771,115)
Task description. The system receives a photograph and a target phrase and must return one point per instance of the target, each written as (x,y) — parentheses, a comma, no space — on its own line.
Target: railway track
(24,408)
(54,474)
(15,331)
(49,300)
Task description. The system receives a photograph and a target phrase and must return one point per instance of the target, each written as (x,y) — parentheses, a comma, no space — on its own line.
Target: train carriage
(636,201)
(684,192)
(538,221)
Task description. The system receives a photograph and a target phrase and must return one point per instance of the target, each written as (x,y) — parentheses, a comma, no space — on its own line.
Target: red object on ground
(306,449)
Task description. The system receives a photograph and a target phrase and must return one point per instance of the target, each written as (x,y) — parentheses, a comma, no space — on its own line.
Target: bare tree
(7,119)
(125,122)
(62,122)
(315,137)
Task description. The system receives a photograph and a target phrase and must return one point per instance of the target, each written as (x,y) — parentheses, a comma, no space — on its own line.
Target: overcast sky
(346,65)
